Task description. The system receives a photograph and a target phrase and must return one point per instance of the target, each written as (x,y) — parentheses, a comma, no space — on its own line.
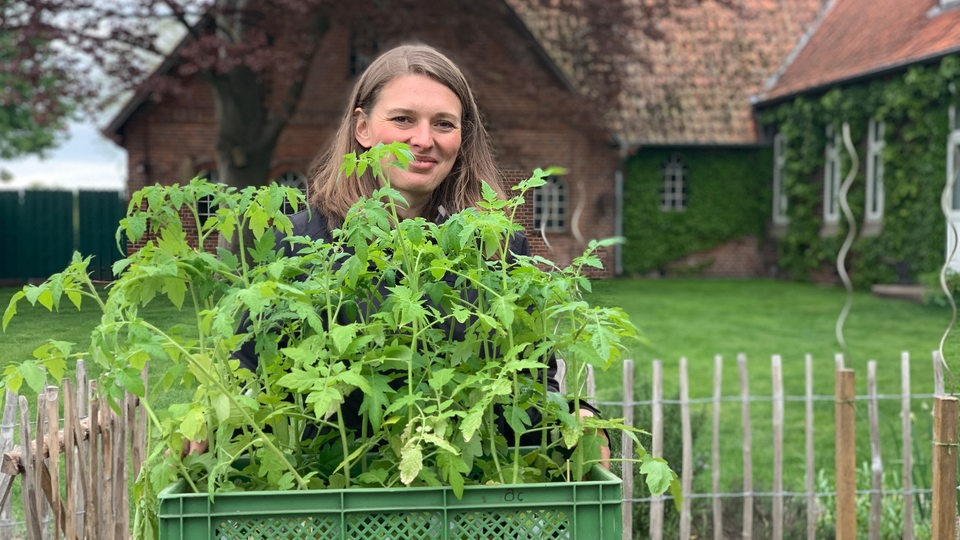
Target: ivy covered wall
(914,106)
(728,197)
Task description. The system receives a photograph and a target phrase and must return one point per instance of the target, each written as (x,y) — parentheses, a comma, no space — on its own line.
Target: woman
(415,95)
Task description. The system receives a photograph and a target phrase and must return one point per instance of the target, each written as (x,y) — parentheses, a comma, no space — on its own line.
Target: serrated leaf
(658,475)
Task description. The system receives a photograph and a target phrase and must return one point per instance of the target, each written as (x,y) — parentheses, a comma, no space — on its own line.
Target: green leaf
(31,372)
(658,475)
(11,308)
(221,404)
(517,418)
(343,336)
(194,425)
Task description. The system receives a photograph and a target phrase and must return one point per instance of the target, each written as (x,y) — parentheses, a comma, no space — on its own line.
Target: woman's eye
(401,119)
(445,125)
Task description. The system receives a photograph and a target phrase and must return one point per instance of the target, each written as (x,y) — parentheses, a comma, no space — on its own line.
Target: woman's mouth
(422,162)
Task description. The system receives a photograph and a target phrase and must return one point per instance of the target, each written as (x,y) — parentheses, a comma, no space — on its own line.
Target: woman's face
(425,114)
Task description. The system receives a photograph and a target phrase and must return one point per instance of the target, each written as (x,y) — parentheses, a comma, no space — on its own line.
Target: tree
(254,61)
(35,100)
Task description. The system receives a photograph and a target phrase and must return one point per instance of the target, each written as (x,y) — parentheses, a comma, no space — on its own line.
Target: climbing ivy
(728,198)
(914,105)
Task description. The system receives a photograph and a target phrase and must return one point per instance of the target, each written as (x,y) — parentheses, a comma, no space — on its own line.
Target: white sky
(85,160)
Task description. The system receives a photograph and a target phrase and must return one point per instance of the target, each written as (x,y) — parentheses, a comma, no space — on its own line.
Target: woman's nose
(421,136)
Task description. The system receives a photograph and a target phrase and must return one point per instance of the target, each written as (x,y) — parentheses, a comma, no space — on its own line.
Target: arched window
(205,206)
(673,195)
(550,206)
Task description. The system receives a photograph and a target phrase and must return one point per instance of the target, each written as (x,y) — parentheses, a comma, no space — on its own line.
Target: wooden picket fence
(73,469)
(943,495)
(78,488)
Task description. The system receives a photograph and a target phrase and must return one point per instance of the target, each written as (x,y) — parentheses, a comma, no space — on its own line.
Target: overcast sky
(86,160)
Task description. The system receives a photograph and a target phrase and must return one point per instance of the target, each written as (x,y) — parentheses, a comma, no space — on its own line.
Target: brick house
(660,140)
(886,70)
(532,112)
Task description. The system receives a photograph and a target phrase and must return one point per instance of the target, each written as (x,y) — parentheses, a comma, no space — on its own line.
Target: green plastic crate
(588,510)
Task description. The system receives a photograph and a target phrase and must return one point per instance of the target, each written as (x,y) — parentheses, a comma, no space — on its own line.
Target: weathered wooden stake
(944,512)
(747,533)
(846,456)
(715,450)
(626,450)
(656,415)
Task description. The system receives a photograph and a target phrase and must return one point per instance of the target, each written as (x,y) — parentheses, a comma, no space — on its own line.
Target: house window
(550,205)
(205,206)
(875,145)
(292,179)
(364,47)
(831,178)
(673,195)
(779,190)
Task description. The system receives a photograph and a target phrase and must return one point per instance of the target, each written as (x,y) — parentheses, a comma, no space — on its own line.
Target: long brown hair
(475,164)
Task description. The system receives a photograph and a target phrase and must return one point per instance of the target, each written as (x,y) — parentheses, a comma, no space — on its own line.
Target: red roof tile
(860,37)
(688,68)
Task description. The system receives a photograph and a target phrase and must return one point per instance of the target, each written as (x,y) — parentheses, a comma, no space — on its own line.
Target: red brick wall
(534,119)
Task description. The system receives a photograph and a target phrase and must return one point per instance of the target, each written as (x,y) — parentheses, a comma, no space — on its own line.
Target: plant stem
(227,392)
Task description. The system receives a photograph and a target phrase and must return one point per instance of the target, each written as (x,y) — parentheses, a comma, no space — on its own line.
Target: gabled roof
(860,38)
(688,68)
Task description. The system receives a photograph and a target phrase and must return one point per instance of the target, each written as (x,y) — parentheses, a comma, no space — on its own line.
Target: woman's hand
(200,447)
(605,447)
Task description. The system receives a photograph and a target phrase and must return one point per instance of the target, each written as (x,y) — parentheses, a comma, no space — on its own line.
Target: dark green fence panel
(99,213)
(40,231)
(10,267)
(47,234)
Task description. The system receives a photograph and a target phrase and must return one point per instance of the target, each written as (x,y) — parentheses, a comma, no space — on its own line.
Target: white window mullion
(779,190)
(875,144)
(831,178)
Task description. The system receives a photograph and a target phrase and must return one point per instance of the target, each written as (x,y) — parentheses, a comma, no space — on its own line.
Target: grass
(698,319)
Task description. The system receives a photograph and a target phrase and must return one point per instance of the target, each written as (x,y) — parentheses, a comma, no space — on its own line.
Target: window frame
(780,199)
(673,189)
(874,188)
(552,197)
(832,177)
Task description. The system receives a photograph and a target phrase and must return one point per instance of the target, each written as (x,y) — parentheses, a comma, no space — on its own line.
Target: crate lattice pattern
(522,525)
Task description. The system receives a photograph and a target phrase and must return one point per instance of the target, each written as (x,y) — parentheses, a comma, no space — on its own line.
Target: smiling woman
(421,112)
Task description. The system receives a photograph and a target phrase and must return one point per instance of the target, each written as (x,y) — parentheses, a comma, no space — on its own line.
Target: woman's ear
(361,128)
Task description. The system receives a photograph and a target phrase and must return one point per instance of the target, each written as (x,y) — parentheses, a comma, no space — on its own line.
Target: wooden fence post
(846,456)
(906,481)
(626,450)
(944,468)
(876,460)
(656,415)
(808,448)
(686,474)
(777,424)
(715,448)
(747,533)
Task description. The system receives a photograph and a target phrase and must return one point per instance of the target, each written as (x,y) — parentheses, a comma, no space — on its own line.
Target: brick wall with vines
(914,106)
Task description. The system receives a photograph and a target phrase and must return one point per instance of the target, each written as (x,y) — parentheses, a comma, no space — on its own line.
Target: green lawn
(699,319)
